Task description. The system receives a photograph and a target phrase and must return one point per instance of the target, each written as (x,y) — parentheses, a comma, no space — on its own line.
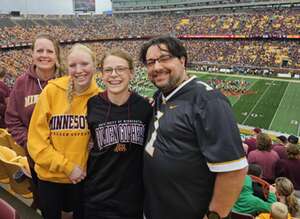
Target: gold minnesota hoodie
(58,133)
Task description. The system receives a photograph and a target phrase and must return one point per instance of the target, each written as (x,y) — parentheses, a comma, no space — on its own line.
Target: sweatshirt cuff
(69,168)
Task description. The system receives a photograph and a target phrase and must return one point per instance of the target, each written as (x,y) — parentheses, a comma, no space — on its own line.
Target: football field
(272,104)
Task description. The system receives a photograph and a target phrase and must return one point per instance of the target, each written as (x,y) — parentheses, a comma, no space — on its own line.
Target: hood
(63,83)
(31,72)
(124,108)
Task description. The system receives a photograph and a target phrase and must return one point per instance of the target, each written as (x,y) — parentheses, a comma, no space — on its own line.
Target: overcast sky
(47,6)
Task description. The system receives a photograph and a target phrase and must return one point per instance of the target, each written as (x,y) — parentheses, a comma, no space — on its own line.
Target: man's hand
(77,175)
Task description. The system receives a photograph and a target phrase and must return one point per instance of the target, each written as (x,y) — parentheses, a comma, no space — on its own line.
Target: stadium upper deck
(137,6)
(242,38)
(274,22)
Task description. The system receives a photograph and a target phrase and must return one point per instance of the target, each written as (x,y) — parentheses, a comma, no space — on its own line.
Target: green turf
(242,108)
(264,109)
(287,117)
(274,105)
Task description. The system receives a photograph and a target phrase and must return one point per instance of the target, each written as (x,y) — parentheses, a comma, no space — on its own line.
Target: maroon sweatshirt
(22,100)
(4,94)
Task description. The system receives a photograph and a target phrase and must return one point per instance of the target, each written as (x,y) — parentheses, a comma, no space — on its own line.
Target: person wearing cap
(193,149)
(280,147)
(251,142)
(293,139)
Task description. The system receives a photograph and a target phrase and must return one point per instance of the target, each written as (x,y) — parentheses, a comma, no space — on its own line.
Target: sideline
(244,76)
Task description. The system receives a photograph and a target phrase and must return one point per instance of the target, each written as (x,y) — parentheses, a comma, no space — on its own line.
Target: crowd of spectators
(271,176)
(273,22)
(251,53)
(280,158)
(258,54)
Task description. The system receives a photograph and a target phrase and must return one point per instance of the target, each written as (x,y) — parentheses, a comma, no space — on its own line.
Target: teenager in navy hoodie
(118,121)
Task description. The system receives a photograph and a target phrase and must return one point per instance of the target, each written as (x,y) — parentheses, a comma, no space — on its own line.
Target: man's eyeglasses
(161,59)
(119,70)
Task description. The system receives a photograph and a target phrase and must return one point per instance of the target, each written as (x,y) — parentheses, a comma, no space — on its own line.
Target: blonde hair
(292,151)
(86,49)
(285,188)
(279,211)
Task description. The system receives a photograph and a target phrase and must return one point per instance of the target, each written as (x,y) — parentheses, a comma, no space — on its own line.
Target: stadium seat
(17,169)
(7,211)
(3,175)
(238,215)
(264,185)
(7,141)
(4,140)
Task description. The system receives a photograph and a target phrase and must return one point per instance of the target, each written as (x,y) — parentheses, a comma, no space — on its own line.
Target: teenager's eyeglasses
(161,59)
(119,70)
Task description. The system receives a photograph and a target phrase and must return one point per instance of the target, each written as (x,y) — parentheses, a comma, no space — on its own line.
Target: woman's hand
(77,175)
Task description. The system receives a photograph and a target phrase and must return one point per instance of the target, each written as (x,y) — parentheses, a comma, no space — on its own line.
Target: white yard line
(259,99)
(242,95)
(247,76)
(279,106)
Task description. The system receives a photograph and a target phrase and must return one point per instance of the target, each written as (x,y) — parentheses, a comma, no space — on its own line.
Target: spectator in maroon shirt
(265,157)
(251,142)
(280,147)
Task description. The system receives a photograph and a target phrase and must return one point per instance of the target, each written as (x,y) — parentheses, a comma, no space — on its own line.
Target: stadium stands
(131,6)
(258,40)
(242,40)
(13,165)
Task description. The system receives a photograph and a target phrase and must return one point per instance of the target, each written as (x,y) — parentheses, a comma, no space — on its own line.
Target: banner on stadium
(184,21)
(293,36)
(84,5)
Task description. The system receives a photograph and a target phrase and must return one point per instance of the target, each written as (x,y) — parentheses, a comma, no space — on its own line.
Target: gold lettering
(32,99)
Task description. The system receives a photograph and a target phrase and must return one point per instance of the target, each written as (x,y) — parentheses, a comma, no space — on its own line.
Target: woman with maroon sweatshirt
(26,90)
(4,94)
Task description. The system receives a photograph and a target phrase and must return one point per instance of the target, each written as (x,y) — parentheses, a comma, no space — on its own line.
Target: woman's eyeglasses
(119,70)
